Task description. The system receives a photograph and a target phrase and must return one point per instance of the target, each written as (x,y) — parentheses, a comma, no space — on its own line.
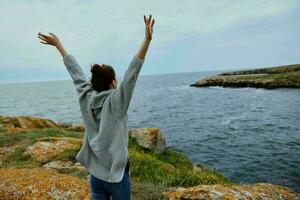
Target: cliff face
(274,77)
(259,191)
(37,160)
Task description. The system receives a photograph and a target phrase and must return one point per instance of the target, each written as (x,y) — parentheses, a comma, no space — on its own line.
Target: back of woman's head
(102,77)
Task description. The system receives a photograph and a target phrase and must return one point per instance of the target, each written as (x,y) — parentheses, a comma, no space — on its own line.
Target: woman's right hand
(53,41)
(49,39)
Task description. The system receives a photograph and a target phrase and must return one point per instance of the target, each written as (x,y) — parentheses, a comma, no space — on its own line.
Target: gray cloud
(112,30)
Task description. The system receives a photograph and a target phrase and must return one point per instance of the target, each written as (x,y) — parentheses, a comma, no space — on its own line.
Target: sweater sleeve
(80,82)
(120,97)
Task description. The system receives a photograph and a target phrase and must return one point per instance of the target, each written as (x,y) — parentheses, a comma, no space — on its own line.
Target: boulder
(76,127)
(71,127)
(43,151)
(26,123)
(63,166)
(149,138)
(39,183)
(20,123)
(64,124)
(259,191)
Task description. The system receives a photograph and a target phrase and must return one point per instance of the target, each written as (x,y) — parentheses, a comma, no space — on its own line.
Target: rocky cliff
(274,77)
(37,161)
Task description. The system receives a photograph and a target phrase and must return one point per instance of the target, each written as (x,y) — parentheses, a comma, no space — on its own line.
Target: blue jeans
(103,190)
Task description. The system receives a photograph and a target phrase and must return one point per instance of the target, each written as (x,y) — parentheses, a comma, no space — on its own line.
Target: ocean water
(250,135)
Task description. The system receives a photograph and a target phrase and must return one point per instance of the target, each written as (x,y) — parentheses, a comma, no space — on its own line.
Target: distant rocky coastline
(287,76)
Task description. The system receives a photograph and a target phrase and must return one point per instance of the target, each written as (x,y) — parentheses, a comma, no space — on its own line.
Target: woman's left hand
(149,27)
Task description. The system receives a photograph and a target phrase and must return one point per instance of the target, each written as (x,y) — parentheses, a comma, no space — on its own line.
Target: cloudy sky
(189,36)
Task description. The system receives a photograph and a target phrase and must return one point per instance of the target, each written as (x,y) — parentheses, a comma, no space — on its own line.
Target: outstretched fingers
(53,35)
(43,42)
(152,23)
(43,35)
(148,21)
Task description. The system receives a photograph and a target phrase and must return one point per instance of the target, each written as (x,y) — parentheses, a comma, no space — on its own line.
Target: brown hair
(102,76)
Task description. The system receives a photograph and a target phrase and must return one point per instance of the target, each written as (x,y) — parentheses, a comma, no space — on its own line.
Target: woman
(103,107)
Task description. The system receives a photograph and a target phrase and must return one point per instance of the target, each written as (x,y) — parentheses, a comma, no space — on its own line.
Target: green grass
(153,173)
(15,122)
(148,190)
(30,137)
(171,168)
(78,173)
(12,120)
(19,159)
(175,158)
(25,138)
(69,155)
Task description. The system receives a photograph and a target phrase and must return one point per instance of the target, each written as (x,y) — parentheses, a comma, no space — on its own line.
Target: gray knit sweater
(104,152)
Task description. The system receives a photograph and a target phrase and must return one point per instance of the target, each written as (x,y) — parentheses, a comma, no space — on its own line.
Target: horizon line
(219,70)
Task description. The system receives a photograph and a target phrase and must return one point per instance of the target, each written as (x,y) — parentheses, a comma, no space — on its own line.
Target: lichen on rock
(39,183)
(149,138)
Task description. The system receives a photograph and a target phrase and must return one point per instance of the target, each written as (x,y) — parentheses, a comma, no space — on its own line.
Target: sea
(249,135)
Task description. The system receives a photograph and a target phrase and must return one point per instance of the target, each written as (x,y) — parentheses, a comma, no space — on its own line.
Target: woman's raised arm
(148,37)
(81,84)
(121,97)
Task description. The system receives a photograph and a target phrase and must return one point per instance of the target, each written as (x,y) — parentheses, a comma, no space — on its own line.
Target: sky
(188,36)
